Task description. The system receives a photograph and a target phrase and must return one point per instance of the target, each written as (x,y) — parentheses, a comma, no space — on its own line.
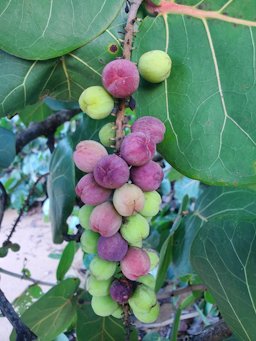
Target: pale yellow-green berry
(118,313)
(152,204)
(102,269)
(155,66)
(96,102)
(143,299)
(103,305)
(154,258)
(135,229)
(89,241)
(84,216)
(106,133)
(149,316)
(149,280)
(98,288)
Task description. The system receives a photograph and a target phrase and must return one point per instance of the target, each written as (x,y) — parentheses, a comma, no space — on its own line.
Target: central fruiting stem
(127,49)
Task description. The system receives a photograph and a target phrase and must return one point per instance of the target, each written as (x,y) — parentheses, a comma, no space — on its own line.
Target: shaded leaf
(93,327)
(153,337)
(66,260)
(50,28)
(35,113)
(61,188)
(213,202)
(223,254)
(208,102)
(7,147)
(53,312)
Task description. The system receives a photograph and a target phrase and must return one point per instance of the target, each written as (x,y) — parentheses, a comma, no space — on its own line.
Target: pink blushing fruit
(137,149)
(105,220)
(111,172)
(148,177)
(136,263)
(90,192)
(150,126)
(120,78)
(87,154)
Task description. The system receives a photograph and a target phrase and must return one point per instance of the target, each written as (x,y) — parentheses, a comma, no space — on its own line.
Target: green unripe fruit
(96,102)
(149,280)
(98,288)
(106,133)
(84,216)
(102,269)
(135,229)
(154,258)
(103,305)
(150,316)
(89,241)
(143,299)
(152,204)
(118,313)
(155,66)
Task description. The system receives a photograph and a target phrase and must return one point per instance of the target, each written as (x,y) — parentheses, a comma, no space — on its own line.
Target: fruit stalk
(127,48)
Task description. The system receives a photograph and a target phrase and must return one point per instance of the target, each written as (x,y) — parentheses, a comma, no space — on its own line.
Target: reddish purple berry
(112,248)
(150,126)
(121,290)
(148,177)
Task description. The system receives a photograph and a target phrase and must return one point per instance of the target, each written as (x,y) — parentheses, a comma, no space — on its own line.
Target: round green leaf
(35,29)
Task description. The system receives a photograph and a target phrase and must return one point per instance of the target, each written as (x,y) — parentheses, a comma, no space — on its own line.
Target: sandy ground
(34,237)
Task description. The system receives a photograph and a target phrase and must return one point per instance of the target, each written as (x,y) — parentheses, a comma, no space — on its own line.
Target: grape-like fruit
(118,313)
(137,149)
(102,269)
(90,192)
(143,299)
(136,263)
(154,258)
(148,280)
(105,220)
(111,172)
(103,305)
(148,177)
(121,78)
(106,133)
(84,216)
(98,288)
(96,102)
(89,241)
(149,316)
(155,66)
(135,229)
(112,248)
(128,200)
(152,204)
(87,154)
(121,290)
(150,126)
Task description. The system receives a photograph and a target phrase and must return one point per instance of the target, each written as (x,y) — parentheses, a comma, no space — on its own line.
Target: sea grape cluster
(120,197)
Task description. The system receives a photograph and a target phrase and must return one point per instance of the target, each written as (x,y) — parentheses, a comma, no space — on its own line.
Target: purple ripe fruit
(148,177)
(87,154)
(150,126)
(105,220)
(120,78)
(137,149)
(111,171)
(121,290)
(90,192)
(112,248)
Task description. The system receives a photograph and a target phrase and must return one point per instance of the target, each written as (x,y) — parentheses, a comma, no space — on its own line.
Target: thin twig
(22,331)
(3,202)
(127,48)
(44,128)
(181,291)
(24,207)
(29,279)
